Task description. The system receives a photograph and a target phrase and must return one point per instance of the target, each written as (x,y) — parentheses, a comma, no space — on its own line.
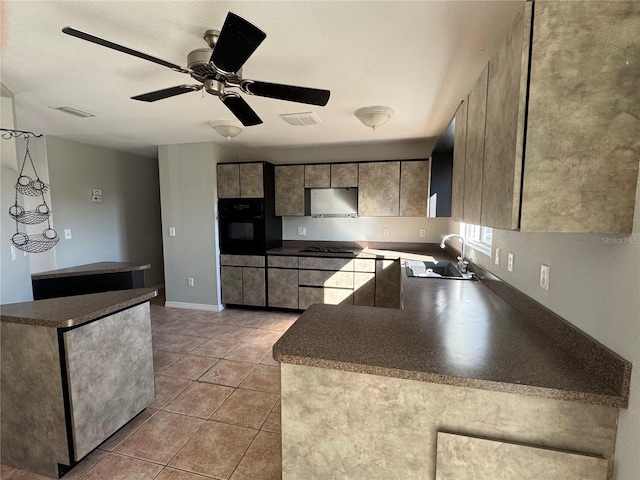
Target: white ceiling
(418,57)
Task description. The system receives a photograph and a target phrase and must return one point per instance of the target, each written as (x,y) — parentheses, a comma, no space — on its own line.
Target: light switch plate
(302,231)
(496,259)
(67,234)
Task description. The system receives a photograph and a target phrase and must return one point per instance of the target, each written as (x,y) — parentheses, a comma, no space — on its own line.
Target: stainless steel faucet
(462,263)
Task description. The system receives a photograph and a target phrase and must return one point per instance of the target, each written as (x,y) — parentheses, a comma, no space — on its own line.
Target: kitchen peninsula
(419,392)
(74,370)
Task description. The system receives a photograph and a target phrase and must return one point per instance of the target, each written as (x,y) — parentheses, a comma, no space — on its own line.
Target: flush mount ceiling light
(374,116)
(227,128)
(73,111)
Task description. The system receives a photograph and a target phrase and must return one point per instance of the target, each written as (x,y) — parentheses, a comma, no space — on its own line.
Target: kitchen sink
(421,269)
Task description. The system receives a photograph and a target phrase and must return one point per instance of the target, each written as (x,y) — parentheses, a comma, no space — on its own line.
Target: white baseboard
(195,306)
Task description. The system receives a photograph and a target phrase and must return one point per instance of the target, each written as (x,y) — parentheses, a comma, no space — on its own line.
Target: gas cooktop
(327,250)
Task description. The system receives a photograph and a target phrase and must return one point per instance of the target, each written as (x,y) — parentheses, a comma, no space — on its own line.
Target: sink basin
(422,269)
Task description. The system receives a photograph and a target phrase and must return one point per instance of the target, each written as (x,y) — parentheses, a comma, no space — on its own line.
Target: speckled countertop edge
(91,269)
(73,311)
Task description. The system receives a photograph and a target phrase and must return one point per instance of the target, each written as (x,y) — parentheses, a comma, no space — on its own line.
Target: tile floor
(217,408)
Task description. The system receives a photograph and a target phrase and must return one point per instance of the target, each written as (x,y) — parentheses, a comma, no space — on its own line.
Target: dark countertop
(73,311)
(91,269)
(455,332)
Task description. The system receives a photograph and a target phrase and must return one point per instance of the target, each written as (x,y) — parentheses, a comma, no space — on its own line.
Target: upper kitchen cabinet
(414,188)
(459,160)
(474,150)
(379,189)
(582,149)
(317,176)
(289,190)
(561,148)
(241,180)
(503,148)
(344,175)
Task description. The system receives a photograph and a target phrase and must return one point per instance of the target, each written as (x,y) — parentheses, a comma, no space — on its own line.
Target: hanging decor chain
(32,188)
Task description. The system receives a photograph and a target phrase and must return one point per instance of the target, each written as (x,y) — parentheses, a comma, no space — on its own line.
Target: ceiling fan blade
(106,43)
(241,109)
(313,96)
(166,93)
(237,41)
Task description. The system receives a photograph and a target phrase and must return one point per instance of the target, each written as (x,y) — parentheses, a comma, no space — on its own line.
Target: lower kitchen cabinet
(283,287)
(243,280)
(388,283)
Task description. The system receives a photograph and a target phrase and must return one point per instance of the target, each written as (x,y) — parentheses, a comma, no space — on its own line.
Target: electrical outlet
(190,281)
(302,231)
(385,232)
(67,234)
(496,259)
(172,231)
(510,260)
(544,277)
(423,232)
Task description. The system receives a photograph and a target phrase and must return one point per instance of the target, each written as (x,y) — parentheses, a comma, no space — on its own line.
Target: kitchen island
(419,392)
(74,370)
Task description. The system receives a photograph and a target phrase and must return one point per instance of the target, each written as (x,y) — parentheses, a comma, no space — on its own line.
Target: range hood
(333,202)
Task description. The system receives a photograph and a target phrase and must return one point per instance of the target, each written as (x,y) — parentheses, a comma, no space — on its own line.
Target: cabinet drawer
(364,265)
(242,260)
(282,261)
(324,263)
(331,296)
(326,278)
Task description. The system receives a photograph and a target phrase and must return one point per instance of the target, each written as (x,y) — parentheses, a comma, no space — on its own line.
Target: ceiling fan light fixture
(374,116)
(227,128)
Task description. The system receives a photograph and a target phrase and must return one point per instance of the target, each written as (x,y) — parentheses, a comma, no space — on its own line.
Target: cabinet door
(581,158)
(251,180)
(414,188)
(503,148)
(344,175)
(289,190)
(364,289)
(476,116)
(253,287)
(283,287)
(231,284)
(388,283)
(317,176)
(379,189)
(459,162)
(228,180)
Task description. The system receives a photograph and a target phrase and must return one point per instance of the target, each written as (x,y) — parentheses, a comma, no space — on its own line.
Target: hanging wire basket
(30,217)
(27,186)
(35,243)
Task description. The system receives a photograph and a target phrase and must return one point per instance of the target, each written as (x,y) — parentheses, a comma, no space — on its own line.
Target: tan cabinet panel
(476,116)
(242,260)
(331,296)
(344,175)
(317,176)
(414,188)
(282,261)
(364,265)
(388,283)
(326,278)
(231,284)
(251,180)
(459,162)
(503,148)
(460,456)
(228,180)
(364,289)
(325,263)
(289,190)
(253,287)
(581,159)
(379,189)
(283,288)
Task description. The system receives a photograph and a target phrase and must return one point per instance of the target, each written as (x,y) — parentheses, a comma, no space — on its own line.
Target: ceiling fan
(219,68)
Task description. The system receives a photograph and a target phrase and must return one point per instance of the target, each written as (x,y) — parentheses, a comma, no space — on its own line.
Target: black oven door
(242,235)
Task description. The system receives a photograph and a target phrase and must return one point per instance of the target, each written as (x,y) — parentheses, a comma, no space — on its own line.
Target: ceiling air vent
(301,119)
